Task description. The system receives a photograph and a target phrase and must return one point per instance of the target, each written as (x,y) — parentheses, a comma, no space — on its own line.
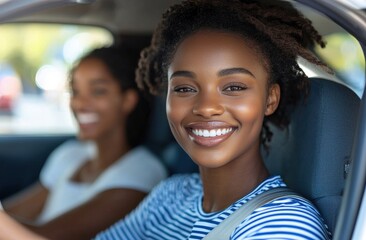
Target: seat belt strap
(228,225)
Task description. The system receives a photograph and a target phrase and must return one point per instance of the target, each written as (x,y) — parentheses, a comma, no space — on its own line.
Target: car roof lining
(124,16)
(119,16)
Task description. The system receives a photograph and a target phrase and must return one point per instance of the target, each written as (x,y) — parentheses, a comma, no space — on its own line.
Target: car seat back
(313,153)
(160,141)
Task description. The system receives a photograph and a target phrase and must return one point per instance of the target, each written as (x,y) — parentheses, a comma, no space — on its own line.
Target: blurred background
(34,64)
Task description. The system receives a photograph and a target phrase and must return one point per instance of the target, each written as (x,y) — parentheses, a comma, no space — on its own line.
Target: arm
(11,230)
(87,220)
(28,204)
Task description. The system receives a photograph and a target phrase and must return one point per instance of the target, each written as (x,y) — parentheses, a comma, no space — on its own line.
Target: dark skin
(101,110)
(220,85)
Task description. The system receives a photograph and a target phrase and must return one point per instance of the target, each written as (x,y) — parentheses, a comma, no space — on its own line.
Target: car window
(34,64)
(344,54)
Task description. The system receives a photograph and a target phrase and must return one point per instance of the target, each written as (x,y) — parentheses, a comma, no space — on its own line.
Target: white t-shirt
(138,169)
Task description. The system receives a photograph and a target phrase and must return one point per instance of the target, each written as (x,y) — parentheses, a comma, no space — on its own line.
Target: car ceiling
(119,16)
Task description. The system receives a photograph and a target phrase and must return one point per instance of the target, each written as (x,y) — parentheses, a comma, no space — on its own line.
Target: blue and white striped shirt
(173,210)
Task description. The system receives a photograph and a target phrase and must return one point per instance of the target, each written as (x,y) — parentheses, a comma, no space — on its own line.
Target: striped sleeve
(285,218)
(144,219)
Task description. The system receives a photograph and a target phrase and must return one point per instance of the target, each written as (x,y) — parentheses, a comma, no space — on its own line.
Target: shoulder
(73,148)
(286,218)
(183,182)
(63,159)
(139,169)
(141,157)
(70,152)
(179,186)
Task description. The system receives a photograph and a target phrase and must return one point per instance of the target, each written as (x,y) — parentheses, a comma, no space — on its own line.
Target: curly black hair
(121,62)
(278,31)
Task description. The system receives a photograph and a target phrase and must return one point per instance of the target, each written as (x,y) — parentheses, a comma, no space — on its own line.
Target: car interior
(314,154)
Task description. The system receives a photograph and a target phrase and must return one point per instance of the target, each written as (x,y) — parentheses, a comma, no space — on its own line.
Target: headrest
(161,142)
(158,136)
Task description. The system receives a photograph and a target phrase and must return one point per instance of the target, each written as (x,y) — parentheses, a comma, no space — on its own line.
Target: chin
(85,137)
(210,161)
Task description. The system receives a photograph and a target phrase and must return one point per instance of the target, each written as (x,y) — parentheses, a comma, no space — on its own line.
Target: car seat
(161,142)
(313,153)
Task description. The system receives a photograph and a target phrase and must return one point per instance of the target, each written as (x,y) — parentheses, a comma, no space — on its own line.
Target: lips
(209,134)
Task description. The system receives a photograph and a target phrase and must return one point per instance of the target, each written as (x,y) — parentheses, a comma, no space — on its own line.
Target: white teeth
(211,133)
(218,132)
(206,133)
(86,118)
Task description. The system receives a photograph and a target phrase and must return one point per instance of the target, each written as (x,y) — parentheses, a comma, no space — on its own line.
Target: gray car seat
(161,142)
(313,154)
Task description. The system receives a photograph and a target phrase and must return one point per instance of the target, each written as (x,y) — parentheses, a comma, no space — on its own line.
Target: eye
(184,89)
(99,91)
(234,87)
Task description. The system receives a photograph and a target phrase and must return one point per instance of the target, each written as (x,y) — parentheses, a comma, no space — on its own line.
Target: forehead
(90,66)
(217,49)
(91,70)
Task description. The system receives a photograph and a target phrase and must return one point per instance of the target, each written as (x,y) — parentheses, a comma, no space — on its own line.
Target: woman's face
(218,95)
(96,101)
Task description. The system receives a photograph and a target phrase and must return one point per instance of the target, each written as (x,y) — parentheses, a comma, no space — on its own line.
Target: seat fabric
(312,154)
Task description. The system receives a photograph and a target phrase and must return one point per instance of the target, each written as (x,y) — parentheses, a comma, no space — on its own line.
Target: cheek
(173,115)
(72,104)
(250,108)
(177,110)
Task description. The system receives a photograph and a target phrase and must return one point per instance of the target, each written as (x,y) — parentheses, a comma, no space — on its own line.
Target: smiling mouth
(210,137)
(209,133)
(87,118)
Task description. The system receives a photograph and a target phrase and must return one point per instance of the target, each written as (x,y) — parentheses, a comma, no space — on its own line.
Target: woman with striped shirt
(228,68)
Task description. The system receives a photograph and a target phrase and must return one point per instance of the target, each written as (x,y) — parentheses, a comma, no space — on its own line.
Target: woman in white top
(88,184)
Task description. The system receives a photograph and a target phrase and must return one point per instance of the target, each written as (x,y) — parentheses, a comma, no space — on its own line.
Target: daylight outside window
(344,54)
(34,64)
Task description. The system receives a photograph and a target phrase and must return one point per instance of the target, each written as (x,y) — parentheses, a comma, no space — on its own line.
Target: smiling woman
(229,68)
(103,172)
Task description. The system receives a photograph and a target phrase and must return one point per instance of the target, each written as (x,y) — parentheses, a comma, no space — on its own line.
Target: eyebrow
(221,73)
(97,81)
(183,74)
(230,71)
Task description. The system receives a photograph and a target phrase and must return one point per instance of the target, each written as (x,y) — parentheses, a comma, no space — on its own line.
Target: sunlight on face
(217,98)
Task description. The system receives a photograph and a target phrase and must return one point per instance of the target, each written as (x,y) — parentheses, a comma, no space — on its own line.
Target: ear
(273,99)
(129,101)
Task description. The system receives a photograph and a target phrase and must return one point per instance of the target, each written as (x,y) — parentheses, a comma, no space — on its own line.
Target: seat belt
(228,225)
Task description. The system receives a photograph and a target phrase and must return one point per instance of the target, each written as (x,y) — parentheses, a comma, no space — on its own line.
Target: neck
(110,149)
(227,184)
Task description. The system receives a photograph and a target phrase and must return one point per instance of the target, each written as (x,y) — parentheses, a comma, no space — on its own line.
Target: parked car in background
(323,155)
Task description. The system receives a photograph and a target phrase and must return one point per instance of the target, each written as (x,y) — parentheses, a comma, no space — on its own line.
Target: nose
(208,105)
